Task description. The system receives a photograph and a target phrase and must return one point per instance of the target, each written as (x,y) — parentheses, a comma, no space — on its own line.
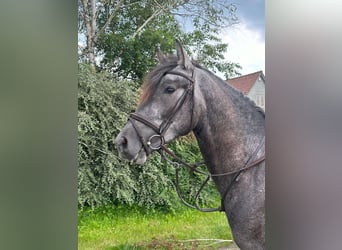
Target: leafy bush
(102,108)
(103,178)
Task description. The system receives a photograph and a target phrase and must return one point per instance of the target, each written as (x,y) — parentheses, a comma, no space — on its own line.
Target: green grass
(133,228)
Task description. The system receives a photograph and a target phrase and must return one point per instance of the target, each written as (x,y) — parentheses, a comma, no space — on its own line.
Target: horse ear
(183,58)
(161,57)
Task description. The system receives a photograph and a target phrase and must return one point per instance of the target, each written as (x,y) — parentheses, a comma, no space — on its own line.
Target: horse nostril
(122,141)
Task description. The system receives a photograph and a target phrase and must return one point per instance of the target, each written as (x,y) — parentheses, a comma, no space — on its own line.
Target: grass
(127,228)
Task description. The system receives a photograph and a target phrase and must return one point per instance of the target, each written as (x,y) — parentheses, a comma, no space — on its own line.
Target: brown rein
(193,168)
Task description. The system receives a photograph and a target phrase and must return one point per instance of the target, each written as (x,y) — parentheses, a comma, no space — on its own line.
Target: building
(251,85)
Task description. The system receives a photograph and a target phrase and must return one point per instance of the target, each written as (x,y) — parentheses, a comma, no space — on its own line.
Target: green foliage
(133,57)
(205,43)
(186,148)
(102,177)
(103,107)
(130,54)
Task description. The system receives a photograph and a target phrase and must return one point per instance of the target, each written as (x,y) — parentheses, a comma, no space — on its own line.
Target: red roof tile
(245,83)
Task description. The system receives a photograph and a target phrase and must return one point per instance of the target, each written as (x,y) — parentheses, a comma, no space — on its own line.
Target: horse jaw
(140,158)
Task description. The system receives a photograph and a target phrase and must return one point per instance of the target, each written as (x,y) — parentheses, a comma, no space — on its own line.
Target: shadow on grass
(162,244)
(172,244)
(125,247)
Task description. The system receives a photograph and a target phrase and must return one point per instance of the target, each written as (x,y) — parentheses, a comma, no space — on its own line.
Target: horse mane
(153,78)
(225,85)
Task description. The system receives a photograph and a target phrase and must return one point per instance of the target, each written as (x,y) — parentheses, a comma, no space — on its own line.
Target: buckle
(155,142)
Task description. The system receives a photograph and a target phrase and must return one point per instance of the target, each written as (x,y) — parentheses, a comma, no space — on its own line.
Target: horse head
(166,108)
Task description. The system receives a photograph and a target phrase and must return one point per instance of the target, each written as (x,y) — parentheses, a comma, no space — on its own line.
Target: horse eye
(170,90)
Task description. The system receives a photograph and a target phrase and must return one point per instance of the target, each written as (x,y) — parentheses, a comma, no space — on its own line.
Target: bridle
(163,127)
(160,132)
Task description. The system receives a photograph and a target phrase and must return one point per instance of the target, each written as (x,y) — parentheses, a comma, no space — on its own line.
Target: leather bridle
(164,126)
(160,132)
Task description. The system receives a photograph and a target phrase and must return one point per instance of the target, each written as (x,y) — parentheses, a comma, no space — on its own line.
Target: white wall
(257,93)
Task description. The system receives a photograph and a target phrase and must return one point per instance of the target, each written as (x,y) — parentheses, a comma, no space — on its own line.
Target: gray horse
(180,96)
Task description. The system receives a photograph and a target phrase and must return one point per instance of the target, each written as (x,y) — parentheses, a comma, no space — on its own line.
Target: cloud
(246,46)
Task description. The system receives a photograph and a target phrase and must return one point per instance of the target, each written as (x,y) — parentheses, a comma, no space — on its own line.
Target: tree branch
(109,20)
(129,4)
(146,22)
(160,6)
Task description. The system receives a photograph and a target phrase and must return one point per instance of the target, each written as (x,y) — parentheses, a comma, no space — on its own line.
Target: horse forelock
(154,77)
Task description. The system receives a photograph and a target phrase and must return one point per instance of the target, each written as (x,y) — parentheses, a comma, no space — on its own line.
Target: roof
(245,83)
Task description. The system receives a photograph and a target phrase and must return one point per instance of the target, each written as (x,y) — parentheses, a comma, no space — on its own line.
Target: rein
(178,162)
(193,167)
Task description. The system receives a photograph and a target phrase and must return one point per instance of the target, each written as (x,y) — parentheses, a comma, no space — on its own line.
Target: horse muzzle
(130,149)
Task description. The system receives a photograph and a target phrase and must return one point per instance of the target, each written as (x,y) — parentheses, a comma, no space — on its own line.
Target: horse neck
(229,127)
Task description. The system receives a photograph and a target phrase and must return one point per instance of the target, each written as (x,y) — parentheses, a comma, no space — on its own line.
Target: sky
(246,40)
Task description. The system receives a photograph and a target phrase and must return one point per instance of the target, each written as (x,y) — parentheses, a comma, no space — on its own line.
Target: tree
(133,57)
(125,32)
(208,48)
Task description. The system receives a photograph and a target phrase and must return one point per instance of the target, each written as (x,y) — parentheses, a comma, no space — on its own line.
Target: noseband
(161,130)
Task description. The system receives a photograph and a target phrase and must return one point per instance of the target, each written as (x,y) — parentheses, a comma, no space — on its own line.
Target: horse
(179,96)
